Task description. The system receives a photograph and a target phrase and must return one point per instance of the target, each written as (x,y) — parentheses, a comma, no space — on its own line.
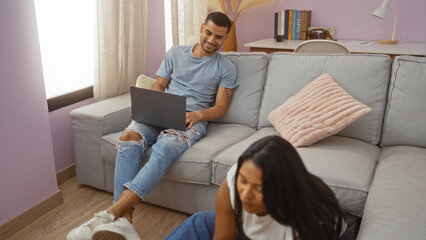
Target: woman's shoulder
(230,178)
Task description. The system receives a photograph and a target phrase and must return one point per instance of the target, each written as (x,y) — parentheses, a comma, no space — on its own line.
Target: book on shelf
(292,24)
(306,23)
(282,23)
(286,12)
(308,17)
(298,23)
(278,24)
(275,25)
(280,32)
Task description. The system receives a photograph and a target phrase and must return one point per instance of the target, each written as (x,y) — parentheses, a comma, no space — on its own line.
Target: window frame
(67,99)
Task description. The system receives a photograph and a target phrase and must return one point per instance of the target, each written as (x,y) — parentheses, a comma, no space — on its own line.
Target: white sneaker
(120,229)
(84,231)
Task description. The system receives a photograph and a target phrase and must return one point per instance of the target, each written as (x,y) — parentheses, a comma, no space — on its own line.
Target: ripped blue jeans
(167,146)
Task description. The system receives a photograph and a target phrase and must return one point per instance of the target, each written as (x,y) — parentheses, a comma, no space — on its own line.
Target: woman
(269,194)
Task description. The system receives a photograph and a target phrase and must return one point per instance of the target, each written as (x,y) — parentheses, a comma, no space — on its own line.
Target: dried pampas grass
(246,4)
(219,5)
(238,6)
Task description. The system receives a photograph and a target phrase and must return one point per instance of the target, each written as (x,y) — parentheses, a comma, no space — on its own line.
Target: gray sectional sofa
(376,166)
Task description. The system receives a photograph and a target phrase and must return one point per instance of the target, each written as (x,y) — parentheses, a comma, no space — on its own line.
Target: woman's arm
(225,227)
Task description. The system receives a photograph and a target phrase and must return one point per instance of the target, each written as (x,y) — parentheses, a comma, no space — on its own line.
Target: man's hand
(192,118)
(223,99)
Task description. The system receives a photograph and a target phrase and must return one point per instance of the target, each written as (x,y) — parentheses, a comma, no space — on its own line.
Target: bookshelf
(417,49)
(292,24)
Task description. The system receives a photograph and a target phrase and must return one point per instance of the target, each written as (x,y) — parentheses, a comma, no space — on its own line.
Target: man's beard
(206,50)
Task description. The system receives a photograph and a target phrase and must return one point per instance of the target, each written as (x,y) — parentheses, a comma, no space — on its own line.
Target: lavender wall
(353,20)
(60,126)
(27,170)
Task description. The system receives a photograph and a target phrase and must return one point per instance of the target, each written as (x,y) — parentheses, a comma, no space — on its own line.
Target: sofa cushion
(194,166)
(224,161)
(322,108)
(405,116)
(251,75)
(365,77)
(397,195)
(346,165)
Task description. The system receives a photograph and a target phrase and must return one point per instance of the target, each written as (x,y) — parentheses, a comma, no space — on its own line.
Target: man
(207,79)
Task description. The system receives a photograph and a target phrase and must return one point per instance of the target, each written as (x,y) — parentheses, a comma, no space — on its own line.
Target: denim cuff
(132,188)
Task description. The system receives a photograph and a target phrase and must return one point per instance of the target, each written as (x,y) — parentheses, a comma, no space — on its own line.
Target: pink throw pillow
(321,109)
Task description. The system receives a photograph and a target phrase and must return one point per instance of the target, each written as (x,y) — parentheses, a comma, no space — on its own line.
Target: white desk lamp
(381,12)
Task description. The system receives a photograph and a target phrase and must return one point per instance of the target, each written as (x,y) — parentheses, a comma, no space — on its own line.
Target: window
(67,31)
(168,24)
(183,20)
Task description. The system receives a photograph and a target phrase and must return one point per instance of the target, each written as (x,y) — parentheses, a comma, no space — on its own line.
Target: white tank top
(262,227)
(258,227)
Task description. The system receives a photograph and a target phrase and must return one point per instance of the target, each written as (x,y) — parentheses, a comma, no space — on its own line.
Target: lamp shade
(382,11)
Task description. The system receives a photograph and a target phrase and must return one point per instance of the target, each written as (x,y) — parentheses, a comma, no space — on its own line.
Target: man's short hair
(219,19)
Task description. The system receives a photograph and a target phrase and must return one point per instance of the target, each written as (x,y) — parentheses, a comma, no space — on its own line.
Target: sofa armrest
(89,124)
(395,206)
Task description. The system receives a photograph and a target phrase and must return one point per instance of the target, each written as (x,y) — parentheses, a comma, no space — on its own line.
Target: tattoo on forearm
(228,95)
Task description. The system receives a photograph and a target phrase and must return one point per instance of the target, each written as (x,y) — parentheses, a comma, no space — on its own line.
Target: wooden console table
(417,49)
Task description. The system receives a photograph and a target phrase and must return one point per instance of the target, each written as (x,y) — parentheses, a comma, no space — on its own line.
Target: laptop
(158,108)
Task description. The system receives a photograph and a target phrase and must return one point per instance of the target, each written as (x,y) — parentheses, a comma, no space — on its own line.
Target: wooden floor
(81,202)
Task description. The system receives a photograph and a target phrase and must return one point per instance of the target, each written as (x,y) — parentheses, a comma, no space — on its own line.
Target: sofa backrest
(365,77)
(251,75)
(405,115)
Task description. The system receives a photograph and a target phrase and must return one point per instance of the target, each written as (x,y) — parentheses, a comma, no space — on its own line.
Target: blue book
(298,24)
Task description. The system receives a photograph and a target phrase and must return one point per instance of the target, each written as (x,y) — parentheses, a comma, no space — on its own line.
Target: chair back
(321,46)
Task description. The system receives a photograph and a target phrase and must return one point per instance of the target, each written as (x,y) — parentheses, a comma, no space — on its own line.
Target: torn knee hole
(172,132)
(130,135)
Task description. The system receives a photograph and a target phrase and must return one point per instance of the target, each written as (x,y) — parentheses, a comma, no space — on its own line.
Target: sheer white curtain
(187,17)
(121,30)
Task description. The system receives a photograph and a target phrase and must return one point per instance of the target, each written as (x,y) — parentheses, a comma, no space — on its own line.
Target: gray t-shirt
(196,78)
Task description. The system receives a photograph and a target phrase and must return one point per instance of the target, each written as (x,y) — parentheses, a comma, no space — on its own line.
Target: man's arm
(161,84)
(225,227)
(223,99)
